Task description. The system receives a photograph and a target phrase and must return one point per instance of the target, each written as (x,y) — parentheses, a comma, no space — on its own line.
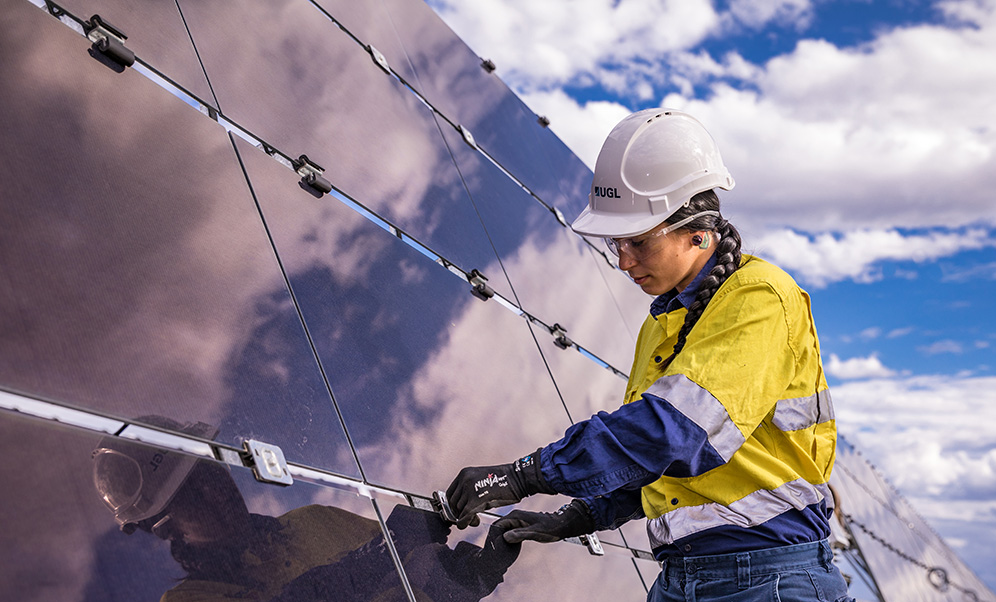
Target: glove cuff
(528,468)
(587,520)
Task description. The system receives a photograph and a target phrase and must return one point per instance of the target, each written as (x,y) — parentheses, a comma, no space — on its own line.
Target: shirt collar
(673,300)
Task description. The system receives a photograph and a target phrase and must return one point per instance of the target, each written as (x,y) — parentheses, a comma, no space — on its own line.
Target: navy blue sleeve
(630,447)
(612,510)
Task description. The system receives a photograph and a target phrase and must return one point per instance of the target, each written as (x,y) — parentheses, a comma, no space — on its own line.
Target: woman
(726,438)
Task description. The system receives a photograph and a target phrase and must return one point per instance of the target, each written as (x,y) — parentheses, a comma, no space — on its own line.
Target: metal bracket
(560,336)
(442,506)
(467,136)
(109,41)
(480,289)
(543,120)
(594,546)
(267,462)
(379,58)
(488,65)
(311,174)
(560,217)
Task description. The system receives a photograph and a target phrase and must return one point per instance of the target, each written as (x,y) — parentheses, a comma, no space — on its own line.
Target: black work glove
(571,520)
(477,488)
(412,528)
(466,573)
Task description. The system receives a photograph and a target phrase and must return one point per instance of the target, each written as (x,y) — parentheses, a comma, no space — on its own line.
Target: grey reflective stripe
(749,511)
(803,412)
(699,406)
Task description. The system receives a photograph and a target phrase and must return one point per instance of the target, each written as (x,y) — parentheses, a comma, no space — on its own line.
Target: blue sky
(863,141)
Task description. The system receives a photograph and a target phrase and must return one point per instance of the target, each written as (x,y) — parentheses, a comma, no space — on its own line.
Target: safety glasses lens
(118,479)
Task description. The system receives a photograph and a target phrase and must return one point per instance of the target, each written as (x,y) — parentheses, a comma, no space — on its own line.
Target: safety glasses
(118,478)
(643,246)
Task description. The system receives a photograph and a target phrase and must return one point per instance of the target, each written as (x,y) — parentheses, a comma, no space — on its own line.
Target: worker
(726,437)
(310,553)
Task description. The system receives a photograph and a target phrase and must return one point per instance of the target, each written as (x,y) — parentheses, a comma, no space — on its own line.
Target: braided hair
(727,258)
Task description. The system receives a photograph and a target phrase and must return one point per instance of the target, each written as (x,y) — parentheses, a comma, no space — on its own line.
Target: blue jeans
(798,573)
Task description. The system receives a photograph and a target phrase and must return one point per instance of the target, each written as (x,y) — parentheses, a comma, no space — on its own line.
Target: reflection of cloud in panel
(379,144)
(539,574)
(136,266)
(58,515)
(463,430)
(567,289)
(454,413)
(585,386)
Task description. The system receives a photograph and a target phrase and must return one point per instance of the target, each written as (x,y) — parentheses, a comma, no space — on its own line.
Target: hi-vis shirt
(730,448)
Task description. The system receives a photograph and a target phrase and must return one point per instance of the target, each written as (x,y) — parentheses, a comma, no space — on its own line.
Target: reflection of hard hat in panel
(137,481)
(653,162)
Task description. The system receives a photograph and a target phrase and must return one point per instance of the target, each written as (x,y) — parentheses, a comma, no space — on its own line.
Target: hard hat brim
(614,225)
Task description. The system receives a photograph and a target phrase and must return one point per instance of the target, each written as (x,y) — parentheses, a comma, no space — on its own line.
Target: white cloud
(896,132)
(961,273)
(758,13)
(945,346)
(870,333)
(857,367)
(416,449)
(545,44)
(846,137)
(925,433)
(548,43)
(799,166)
(825,258)
(899,332)
(929,436)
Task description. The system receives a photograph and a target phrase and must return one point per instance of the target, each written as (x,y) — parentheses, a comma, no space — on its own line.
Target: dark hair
(727,258)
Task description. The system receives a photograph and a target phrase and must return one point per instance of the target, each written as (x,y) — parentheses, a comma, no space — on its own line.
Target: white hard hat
(653,162)
(137,481)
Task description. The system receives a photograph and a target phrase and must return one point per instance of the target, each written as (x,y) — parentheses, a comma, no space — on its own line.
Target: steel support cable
(936,576)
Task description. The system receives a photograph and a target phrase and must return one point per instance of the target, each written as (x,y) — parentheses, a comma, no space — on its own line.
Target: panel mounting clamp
(267,462)
(467,136)
(379,58)
(311,174)
(594,546)
(109,41)
(479,281)
(589,541)
(560,217)
(560,336)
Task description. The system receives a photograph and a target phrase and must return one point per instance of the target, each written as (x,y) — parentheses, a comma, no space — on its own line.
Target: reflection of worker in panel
(308,554)
(726,438)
